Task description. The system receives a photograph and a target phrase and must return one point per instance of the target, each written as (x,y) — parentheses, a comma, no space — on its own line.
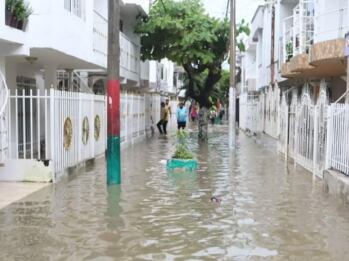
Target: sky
(244,8)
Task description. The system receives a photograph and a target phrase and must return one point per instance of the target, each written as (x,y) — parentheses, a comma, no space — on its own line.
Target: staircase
(4,94)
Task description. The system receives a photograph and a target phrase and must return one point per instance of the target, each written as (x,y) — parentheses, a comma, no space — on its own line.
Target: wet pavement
(268,210)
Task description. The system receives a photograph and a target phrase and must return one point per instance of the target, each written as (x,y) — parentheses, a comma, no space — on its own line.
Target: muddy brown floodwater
(269,210)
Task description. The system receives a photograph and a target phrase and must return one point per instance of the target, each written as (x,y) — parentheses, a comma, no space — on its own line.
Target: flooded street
(269,210)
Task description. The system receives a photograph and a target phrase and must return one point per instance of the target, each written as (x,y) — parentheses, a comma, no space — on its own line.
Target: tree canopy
(184,33)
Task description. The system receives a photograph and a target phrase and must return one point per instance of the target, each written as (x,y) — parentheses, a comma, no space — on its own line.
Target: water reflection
(269,210)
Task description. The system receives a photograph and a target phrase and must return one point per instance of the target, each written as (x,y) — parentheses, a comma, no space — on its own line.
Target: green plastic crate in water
(190,164)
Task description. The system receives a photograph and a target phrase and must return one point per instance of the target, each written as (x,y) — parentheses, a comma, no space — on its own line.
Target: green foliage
(289,50)
(19,9)
(182,151)
(182,32)
(221,90)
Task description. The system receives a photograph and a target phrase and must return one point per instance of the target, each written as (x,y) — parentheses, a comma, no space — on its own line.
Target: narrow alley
(268,210)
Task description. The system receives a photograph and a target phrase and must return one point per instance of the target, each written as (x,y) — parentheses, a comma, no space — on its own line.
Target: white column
(50,77)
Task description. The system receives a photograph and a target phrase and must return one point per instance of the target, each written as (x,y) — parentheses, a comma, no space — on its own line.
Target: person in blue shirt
(182,115)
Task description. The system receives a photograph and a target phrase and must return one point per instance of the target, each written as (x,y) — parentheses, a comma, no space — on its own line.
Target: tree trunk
(203,124)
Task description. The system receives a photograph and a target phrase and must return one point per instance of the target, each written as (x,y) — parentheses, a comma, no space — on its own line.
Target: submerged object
(188,164)
(216,199)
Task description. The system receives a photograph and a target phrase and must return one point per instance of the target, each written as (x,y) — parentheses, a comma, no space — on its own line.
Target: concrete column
(2,65)
(50,76)
(10,76)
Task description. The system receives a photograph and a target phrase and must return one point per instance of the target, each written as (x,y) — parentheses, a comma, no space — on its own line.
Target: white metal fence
(303,129)
(283,138)
(250,113)
(338,138)
(65,127)
(272,98)
(71,127)
(305,120)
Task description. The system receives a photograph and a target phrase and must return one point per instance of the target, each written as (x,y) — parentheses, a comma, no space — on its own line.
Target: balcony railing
(129,51)
(298,30)
(75,7)
(331,25)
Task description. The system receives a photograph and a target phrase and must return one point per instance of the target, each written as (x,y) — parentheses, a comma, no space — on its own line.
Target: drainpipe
(347,96)
(272,61)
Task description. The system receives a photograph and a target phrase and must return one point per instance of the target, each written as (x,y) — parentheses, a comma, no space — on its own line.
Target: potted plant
(17,13)
(10,18)
(182,157)
(289,51)
(22,11)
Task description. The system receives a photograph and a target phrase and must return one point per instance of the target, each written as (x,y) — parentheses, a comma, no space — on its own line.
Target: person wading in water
(162,124)
(182,115)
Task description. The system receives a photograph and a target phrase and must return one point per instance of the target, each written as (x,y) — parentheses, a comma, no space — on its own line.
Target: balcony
(129,51)
(331,25)
(257,23)
(327,54)
(298,30)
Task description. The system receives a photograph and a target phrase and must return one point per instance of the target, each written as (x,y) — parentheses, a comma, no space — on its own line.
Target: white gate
(321,130)
(283,121)
(249,113)
(305,131)
(292,124)
(272,110)
(338,138)
(65,127)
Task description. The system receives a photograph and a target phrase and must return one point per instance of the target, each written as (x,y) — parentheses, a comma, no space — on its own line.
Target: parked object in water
(182,157)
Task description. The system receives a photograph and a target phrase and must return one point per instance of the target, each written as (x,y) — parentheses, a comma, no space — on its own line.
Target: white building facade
(52,86)
(301,78)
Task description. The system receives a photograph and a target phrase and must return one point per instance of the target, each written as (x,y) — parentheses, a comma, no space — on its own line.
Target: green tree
(184,33)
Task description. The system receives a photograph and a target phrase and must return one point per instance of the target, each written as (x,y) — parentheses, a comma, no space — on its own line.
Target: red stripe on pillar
(113,108)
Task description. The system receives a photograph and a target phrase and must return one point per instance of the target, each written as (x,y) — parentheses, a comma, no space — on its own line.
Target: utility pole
(113,101)
(232,89)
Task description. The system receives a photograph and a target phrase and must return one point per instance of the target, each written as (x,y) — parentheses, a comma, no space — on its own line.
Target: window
(75,7)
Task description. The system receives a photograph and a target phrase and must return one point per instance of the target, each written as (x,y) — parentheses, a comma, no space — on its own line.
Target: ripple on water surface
(269,210)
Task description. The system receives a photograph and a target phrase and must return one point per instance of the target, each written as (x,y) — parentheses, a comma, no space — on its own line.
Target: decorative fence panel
(243,111)
(338,138)
(272,111)
(71,127)
(283,121)
(305,131)
(251,113)
(320,138)
(135,115)
(292,124)
(29,118)
(100,124)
